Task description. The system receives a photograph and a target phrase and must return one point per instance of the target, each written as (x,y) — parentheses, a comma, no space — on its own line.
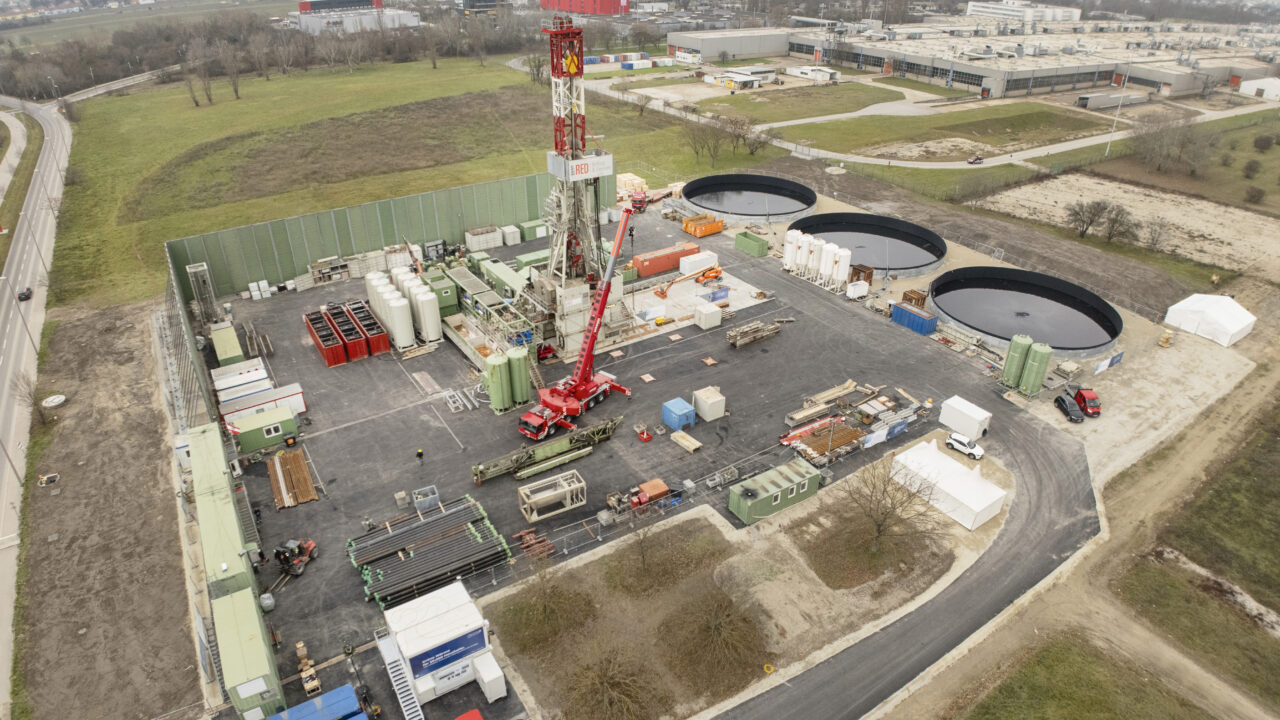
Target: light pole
(34,345)
(1127,71)
(55,86)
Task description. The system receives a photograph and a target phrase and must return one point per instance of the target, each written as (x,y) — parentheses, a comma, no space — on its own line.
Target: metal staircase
(399,674)
(248,528)
(215,658)
(535,375)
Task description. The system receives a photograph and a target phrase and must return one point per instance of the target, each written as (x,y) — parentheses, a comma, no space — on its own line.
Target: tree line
(228,45)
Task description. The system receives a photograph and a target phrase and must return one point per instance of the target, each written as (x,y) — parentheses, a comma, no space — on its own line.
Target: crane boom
(587,353)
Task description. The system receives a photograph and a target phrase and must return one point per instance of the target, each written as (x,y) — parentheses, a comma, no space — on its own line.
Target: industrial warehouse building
(344,22)
(1021,11)
(994,59)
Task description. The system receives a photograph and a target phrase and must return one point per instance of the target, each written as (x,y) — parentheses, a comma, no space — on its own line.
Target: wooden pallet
(290,479)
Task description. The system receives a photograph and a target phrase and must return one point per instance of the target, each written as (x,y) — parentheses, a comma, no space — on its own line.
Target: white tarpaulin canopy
(962,494)
(1217,317)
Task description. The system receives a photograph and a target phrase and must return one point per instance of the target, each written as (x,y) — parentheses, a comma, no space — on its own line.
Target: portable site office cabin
(247,661)
(226,344)
(288,396)
(226,555)
(773,491)
(263,430)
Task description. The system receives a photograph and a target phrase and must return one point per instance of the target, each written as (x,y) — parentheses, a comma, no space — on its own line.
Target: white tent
(1217,317)
(960,493)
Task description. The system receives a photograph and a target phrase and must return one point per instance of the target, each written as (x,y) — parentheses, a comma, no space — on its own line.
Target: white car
(962,444)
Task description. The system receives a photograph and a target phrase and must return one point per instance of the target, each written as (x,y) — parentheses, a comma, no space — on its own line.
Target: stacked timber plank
(411,555)
(835,439)
(291,482)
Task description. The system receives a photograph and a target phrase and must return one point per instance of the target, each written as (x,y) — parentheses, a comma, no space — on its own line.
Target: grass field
(910,84)
(604,74)
(998,126)
(791,104)
(742,62)
(948,184)
(16,194)
(1068,678)
(1215,181)
(1232,525)
(99,24)
(136,193)
(1220,636)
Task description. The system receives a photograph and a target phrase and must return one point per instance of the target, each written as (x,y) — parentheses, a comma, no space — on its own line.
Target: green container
(630,273)
(518,367)
(751,244)
(476,261)
(529,230)
(1015,360)
(1036,367)
(447,294)
(498,380)
(537,257)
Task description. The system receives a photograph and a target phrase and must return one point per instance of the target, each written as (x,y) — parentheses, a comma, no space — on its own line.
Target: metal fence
(185,383)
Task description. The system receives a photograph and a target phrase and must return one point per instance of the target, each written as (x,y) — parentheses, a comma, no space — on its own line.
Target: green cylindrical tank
(498,379)
(1036,367)
(518,366)
(1015,360)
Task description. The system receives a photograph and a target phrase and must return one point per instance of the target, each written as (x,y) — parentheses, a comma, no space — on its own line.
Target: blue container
(339,704)
(677,414)
(628,65)
(716,295)
(915,319)
(897,428)
(591,60)
(644,56)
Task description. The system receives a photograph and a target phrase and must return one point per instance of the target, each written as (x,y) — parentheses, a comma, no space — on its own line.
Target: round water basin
(999,303)
(879,242)
(750,196)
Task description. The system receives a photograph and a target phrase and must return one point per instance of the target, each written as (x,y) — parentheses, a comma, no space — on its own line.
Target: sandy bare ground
(1201,230)
(107,630)
(1134,511)
(946,148)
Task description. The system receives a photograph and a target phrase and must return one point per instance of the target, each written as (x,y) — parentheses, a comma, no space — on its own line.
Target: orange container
(655,489)
(664,260)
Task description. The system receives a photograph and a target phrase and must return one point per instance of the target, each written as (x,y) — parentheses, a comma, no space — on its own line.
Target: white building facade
(1022,11)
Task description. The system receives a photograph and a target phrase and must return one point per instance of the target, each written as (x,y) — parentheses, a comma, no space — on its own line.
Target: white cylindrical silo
(801,263)
(815,256)
(415,305)
(384,306)
(399,276)
(370,280)
(431,316)
(401,325)
(793,235)
(844,261)
(789,250)
(827,261)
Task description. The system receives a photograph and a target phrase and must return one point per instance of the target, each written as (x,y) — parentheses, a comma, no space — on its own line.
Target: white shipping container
(698,261)
(289,396)
(707,316)
(964,417)
(245,390)
(239,373)
(510,235)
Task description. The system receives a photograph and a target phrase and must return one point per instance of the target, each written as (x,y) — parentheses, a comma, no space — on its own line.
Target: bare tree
(188,79)
(757,141)
(1173,145)
(354,50)
(642,543)
(894,502)
(715,141)
(1156,232)
(738,129)
(724,57)
(478,30)
(27,395)
(201,56)
(286,51)
(1082,216)
(608,682)
(599,33)
(537,65)
(694,137)
(1119,224)
(329,48)
(229,56)
(431,43)
(717,637)
(643,34)
(259,49)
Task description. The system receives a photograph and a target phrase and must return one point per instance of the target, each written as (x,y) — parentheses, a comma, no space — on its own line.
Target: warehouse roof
(738,32)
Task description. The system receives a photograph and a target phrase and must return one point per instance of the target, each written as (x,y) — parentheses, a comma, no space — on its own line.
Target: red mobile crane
(585,387)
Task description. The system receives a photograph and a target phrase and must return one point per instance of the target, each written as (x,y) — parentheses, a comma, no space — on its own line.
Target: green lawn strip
(628,73)
(1221,637)
(1068,678)
(741,62)
(1195,275)
(654,82)
(794,103)
(41,437)
(16,194)
(98,25)
(947,184)
(122,141)
(910,84)
(1024,123)
(1232,525)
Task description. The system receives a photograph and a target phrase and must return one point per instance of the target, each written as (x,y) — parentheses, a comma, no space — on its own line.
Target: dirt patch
(1199,230)
(106,631)
(945,149)
(1220,100)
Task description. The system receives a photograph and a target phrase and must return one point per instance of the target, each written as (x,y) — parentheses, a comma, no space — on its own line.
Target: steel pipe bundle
(412,530)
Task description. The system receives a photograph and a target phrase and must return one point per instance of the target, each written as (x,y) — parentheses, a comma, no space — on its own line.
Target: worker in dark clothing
(419,456)
(631,235)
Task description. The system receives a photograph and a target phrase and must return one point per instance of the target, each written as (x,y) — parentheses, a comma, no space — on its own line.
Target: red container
(379,343)
(664,260)
(325,338)
(356,344)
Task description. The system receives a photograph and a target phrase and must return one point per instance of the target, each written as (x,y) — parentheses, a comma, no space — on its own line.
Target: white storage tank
(844,261)
(401,324)
(385,298)
(815,256)
(431,316)
(399,276)
(827,261)
(370,280)
(789,247)
(415,306)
